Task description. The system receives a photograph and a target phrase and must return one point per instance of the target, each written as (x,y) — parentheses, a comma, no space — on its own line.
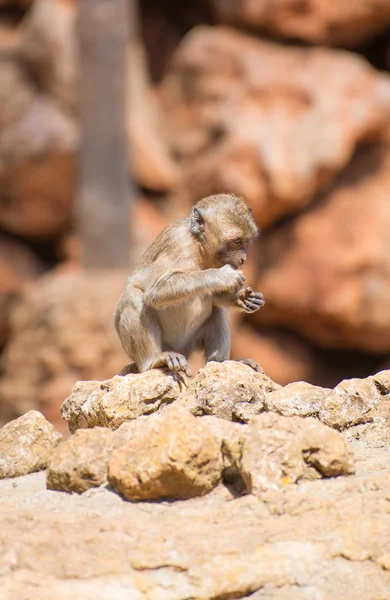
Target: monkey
(175,301)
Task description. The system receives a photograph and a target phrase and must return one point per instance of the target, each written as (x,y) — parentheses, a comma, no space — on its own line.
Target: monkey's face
(234,251)
(224,226)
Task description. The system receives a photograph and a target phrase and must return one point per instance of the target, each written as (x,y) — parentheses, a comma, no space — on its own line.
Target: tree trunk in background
(103,191)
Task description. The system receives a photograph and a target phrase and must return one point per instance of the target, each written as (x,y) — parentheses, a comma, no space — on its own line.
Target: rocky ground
(285,102)
(205,491)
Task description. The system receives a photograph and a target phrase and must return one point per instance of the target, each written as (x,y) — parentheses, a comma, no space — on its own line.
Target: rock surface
(26,445)
(61,331)
(81,461)
(351,402)
(49,48)
(276,451)
(229,390)
(303,541)
(318,22)
(254,131)
(175,457)
(341,263)
(18,263)
(110,403)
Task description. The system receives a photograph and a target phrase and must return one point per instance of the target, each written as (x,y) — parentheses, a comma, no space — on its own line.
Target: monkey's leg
(216,336)
(140,334)
(252,364)
(138,331)
(128,369)
(217,340)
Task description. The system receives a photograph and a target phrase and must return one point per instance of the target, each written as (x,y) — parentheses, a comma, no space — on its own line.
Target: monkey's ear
(197,223)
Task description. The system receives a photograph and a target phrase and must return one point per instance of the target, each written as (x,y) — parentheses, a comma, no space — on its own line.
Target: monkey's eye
(238,242)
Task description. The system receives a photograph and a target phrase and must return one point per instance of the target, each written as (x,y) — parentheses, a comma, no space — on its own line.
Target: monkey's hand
(230,280)
(249,301)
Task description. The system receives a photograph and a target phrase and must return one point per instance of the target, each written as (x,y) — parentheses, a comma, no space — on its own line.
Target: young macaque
(175,301)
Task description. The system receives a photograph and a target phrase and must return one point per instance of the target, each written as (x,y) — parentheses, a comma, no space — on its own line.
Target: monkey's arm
(178,287)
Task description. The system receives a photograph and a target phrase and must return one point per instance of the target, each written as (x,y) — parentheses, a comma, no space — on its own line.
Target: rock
(229,390)
(37,141)
(110,403)
(36,171)
(26,445)
(248,120)
(176,458)
(352,402)
(298,542)
(327,275)
(276,451)
(17,91)
(49,47)
(81,462)
(18,263)
(299,399)
(321,22)
(152,165)
(61,331)
(373,435)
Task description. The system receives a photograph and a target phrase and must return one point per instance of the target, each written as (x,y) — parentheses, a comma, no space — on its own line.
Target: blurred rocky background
(285,102)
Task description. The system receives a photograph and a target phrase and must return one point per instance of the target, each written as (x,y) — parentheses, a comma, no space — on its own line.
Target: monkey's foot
(173,361)
(129,369)
(249,301)
(252,364)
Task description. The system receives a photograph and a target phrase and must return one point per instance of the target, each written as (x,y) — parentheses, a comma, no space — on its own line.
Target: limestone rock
(36,170)
(110,403)
(49,47)
(61,331)
(353,400)
(175,458)
(299,399)
(18,263)
(253,130)
(298,542)
(229,390)
(276,451)
(26,445)
(81,461)
(319,22)
(345,299)
(350,403)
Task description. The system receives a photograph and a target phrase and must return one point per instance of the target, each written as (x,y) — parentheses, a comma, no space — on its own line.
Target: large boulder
(275,124)
(229,390)
(61,331)
(49,48)
(318,22)
(26,445)
(326,274)
(352,402)
(18,263)
(81,462)
(110,403)
(175,457)
(276,451)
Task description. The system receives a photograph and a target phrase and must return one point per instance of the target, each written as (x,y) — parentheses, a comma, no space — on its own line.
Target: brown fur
(173,303)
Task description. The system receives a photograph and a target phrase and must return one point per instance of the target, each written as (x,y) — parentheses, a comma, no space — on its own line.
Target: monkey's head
(224,227)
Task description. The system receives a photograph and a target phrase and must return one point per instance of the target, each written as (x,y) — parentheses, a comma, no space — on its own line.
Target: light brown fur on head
(224,226)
